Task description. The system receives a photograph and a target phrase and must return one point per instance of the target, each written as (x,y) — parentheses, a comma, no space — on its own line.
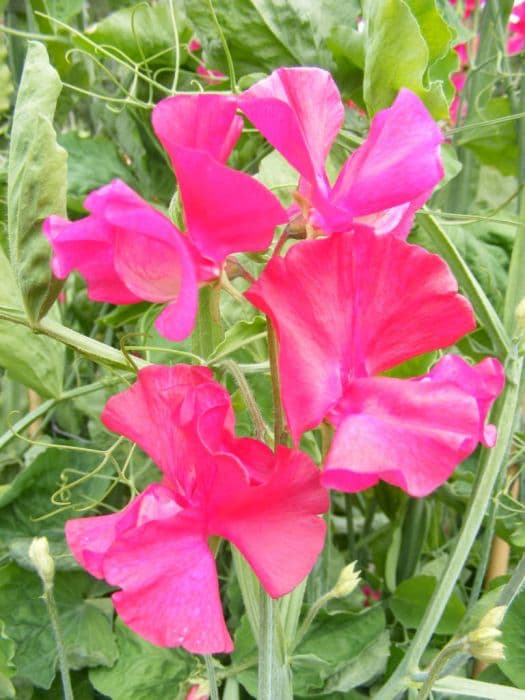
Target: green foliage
(142,671)
(7,667)
(513,628)
(85,623)
(408,45)
(36,181)
(410,601)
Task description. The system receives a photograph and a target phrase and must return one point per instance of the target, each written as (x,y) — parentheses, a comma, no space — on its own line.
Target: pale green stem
(49,600)
(260,427)
(212,680)
(437,667)
(492,461)
(266,648)
(273,355)
(311,615)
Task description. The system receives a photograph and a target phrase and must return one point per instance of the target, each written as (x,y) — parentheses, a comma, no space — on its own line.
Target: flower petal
(483,381)
(226,211)
(275,525)
(399,161)
(411,434)
(170,592)
(299,111)
(202,122)
(86,245)
(353,305)
(175,414)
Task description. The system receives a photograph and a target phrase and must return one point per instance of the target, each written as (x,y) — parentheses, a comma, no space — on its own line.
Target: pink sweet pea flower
(382,184)
(352,306)
(516,42)
(157,550)
(128,251)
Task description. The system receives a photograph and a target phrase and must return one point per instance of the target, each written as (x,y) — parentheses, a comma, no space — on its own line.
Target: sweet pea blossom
(346,309)
(128,251)
(381,185)
(158,550)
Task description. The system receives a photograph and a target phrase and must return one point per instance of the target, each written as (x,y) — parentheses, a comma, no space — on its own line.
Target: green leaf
(142,32)
(92,162)
(289,33)
(7,667)
(6,84)
(410,601)
(513,628)
(86,628)
(143,671)
(415,31)
(36,181)
(32,360)
(64,10)
(340,652)
(238,336)
(208,331)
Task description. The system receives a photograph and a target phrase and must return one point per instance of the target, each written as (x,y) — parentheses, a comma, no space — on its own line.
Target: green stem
(492,461)
(311,615)
(352,550)
(260,427)
(437,667)
(49,599)
(514,586)
(41,410)
(212,680)
(266,647)
(229,61)
(279,420)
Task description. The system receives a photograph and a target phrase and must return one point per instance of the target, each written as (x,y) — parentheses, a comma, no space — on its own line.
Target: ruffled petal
(90,538)
(202,122)
(169,588)
(483,381)
(411,434)
(350,306)
(86,245)
(275,525)
(175,414)
(399,161)
(300,112)
(226,211)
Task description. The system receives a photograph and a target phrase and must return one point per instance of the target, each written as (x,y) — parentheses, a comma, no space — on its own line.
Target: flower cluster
(350,302)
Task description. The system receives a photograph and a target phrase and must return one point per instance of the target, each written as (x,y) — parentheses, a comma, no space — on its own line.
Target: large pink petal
(483,381)
(169,588)
(275,525)
(299,111)
(176,414)
(86,245)
(412,434)
(203,122)
(90,538)
(353,305)
(398,163)
(226,211)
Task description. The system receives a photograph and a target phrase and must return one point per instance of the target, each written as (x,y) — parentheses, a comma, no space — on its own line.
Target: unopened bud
(482,642)
(347,582)
(520,314)
(199,691)
(42,560)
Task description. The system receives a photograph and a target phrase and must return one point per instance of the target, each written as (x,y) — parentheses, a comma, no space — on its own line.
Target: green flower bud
(347,582)
(42,560)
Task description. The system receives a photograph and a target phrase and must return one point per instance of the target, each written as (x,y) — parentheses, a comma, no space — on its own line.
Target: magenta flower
(516,28)
(382,184)
(157,550)
(128,251)
(346,309)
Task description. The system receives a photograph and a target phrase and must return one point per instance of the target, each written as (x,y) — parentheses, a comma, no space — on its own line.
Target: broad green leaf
(279,176)
(36,181)
(280,34)
(7,667)
(142,32)
(6,84)
(400,52)
(86,628)
(341,651)
(513,628)
(142,671)
(238,336)
(32,360)
(92,163)
(64,10)
(28,497)
(410,601)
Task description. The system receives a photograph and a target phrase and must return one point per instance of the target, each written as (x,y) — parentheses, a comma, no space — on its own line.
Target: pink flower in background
(128,251)
(346,309)
(157,550)
(382,184)
(516,42)
(209,75)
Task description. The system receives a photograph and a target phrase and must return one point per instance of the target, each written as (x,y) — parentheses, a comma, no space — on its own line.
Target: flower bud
(482,642)
(42,560)
(347,581)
